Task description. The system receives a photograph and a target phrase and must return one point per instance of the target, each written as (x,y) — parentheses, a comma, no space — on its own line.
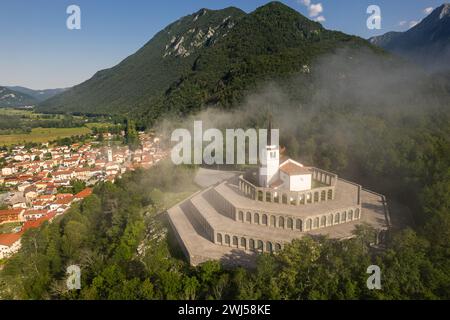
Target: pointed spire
(269,131)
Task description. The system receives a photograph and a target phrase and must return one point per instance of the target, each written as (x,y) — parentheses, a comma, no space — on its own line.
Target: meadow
(42,135)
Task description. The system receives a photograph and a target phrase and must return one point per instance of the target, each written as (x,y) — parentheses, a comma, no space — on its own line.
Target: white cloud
(320,19)
(428,10)
(305,2)
(315,9)
(413,23)
(402,23)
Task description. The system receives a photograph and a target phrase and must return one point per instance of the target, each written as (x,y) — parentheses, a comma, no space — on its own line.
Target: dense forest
(127,251)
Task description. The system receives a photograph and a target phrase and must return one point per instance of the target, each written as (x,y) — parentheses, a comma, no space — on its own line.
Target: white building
(288,175)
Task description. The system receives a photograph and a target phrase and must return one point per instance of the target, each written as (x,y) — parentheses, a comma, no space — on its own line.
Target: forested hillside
(207,58)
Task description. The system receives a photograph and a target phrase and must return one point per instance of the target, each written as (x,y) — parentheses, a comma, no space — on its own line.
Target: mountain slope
(208,58)
(11,98)
(39,95)
(428,43)
(145,75)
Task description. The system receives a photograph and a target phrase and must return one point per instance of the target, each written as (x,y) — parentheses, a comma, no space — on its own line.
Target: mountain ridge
(208,57)
(12,98)
(427,43)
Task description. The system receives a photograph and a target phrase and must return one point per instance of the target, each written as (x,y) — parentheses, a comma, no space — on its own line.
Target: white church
(287,175)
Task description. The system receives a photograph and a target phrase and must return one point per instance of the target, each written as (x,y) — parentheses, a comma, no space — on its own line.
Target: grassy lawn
(8,227)
(42,135)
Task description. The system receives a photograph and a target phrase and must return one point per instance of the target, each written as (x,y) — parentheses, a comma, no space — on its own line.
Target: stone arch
(290,223)
(337,218)
(323,195)
(316,223)
(264,219)
(344,216)
(269,247)
(260,195)
(330,194)
(281,222)
(244,243)
(350,215)
(308,224)
(277,247)
(251,244)
(273,221)
(248,217)
(316,197)
(323,221)
(219,238)
(299,224)
(330,220)
(227,239)
(260,245)
(256,218)
(235,241)
(241,216)
(284,198)
(268,196)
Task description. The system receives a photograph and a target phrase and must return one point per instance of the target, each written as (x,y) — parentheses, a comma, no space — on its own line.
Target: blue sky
(38,51)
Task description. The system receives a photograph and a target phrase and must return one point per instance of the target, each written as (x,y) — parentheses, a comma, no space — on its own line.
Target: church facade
(254,212)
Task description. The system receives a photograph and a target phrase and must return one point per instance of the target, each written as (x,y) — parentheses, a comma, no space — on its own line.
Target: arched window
(337,218)
(323,195)
(290,223)
(227,239)
(316,197)
(219,238)
(268,197)
(244,243)
(256,218)
(269,247)
(330,194)
(344,216)
(260,195)
(241,216)
(277,247)
(272,221)
(316,222)
(251,244)
(298,225)
(235,241)
(323,221)
(264,219)
(260,246)
(249,217)
(308,224)
(284,198)
(281,222)
(330,220)
(350,215)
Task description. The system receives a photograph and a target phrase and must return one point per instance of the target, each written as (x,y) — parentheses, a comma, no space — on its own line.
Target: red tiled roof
(36,223)
(8,239)
(293,169)
(11,211)
(83,194)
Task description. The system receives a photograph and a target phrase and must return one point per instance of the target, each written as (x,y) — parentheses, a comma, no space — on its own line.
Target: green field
(42,135)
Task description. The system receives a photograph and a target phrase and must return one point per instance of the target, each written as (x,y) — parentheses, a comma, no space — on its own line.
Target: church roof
(294,169)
